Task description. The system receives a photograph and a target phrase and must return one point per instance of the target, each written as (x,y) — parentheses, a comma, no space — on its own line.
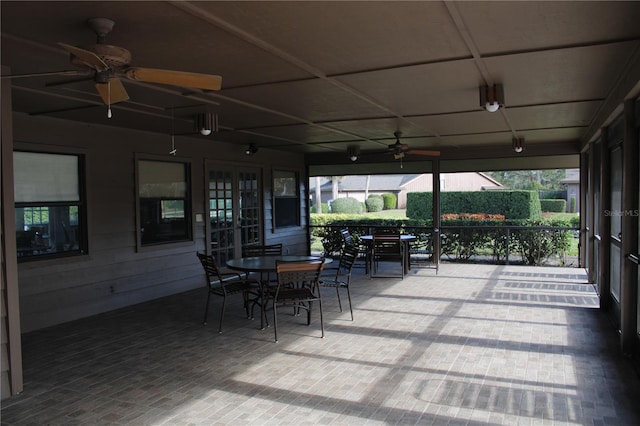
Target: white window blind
(162,179)
(40,177)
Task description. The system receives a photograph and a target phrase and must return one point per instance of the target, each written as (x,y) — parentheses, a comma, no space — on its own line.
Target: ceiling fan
(109,64)
(400,149)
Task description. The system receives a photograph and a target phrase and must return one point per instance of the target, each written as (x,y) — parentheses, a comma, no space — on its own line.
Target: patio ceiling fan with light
(399,149)
(107,65)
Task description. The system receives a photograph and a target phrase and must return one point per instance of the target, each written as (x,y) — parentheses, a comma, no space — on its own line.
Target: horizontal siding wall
(114,274)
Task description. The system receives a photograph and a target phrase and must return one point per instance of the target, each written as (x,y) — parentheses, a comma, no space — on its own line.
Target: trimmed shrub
(323,206)
(511,204)
(390,201)
(572,205)
(553,205)
(346,205)
(374,203)
(419,205)
(552,194)
(537,245)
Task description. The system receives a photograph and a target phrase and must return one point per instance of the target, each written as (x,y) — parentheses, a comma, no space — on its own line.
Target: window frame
(188,204)
(81,230)
(291,200)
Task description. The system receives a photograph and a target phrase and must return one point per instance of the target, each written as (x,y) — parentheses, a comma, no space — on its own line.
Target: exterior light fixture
(206,123)
(353,152)
(518,144)
(492,97)
(251,149)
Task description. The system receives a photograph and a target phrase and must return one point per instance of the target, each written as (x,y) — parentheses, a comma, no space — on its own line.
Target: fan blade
(424,152)
(175,78)
(118,92)
(88,58)
(43,74)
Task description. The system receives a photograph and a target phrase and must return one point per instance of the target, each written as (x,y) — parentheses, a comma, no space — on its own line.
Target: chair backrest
(210,267)
(262,250)
(387,244)
(346,236)
(299,274)
(347,260)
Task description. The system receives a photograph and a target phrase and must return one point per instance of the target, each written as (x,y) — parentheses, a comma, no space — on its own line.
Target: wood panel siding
(114,273)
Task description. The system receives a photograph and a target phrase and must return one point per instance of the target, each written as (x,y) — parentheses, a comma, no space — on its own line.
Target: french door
(235,210)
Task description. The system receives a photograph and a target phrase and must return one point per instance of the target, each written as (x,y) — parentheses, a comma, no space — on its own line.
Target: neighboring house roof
(391,183)
(492,180)
(377,182)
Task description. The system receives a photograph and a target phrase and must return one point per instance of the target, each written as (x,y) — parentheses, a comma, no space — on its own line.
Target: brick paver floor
(474,344)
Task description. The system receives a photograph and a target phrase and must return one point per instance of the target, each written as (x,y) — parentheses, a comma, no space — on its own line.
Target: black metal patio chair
(224,284)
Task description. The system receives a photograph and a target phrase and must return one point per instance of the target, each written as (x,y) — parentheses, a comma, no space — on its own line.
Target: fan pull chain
(109,115)
(173,136)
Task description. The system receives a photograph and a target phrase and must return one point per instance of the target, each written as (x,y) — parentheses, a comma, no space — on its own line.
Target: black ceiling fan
(399,149)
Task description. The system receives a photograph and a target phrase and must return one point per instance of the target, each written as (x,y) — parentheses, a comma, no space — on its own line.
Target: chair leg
(206,309)
(309,313)
(321,319)
(245,297)
(224,303)
(338,293)
(349,296)
(275,322)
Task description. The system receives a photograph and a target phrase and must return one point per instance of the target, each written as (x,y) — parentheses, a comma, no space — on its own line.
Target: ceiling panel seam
(258,42)
(480,64)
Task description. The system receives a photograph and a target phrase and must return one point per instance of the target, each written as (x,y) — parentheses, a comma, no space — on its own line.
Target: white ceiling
(317,77)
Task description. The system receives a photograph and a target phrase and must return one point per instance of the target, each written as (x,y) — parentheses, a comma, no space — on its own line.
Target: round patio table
(267,263)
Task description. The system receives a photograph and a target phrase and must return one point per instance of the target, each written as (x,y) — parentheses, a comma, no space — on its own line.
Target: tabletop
(266,263)
(403,237)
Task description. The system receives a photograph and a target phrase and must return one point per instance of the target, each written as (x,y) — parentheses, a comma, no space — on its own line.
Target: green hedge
(553,205)
(511,204)
(459,239)
(346,205)
(390,201)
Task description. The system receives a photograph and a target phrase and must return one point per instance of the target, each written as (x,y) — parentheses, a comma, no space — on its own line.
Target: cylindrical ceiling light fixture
(353,152)
(518,144)
(206,123)
(492,97)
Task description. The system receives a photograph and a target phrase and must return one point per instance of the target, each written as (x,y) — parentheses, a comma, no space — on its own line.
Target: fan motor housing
(113,56)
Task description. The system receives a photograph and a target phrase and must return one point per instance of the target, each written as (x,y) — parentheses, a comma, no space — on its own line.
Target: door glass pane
(221,215)
(249,208)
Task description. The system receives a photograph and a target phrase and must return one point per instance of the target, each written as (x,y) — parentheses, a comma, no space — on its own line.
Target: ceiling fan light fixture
(492,97)
(518,144)
(206,123)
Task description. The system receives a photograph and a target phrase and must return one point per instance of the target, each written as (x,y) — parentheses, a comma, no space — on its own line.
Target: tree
(335,181)
(318,196)
(530,179)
